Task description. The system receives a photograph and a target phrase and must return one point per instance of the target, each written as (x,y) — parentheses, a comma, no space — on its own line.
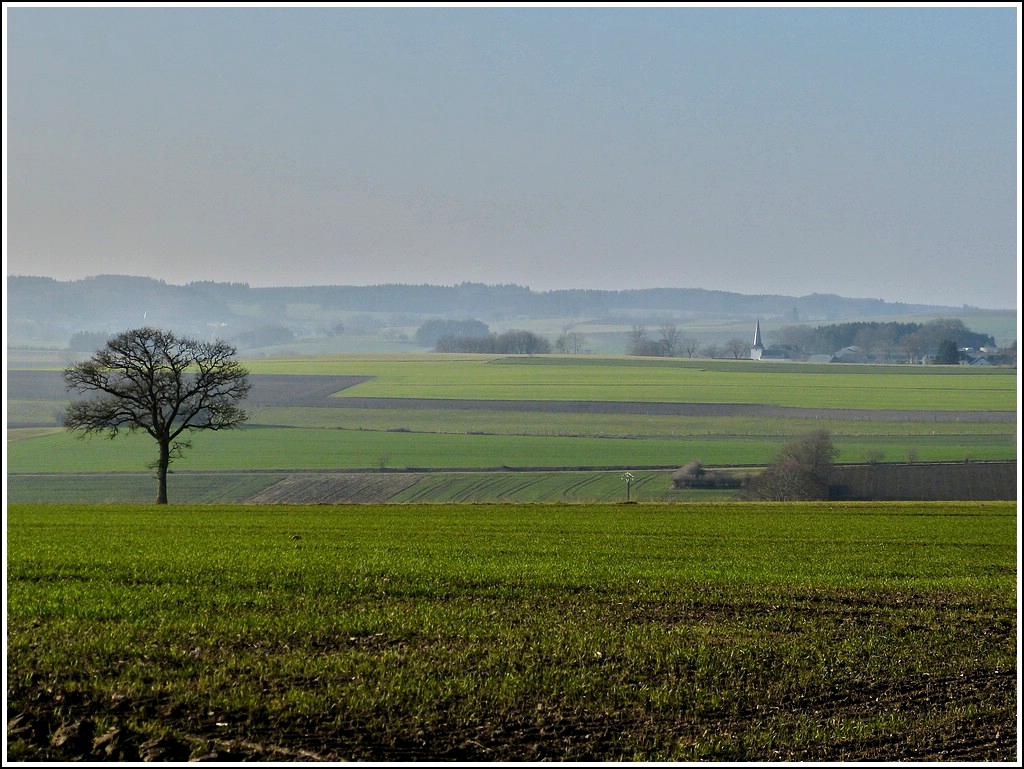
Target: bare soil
(578,737)
(49,723)
(960,481)
(334,488)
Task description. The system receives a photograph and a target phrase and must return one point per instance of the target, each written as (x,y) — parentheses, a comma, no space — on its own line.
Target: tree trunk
(161,472)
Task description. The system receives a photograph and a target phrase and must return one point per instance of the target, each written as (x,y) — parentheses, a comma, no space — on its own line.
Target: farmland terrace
(896,481)
(925,481)
(312,390)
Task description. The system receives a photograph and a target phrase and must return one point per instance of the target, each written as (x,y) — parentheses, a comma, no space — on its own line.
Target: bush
(800,471)
(688,475)
(694,475)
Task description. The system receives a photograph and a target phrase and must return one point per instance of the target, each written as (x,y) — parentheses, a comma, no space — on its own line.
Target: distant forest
(884,339)
(941,339)
(46,311)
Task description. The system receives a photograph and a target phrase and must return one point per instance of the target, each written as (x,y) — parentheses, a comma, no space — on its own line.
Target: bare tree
(738,348)
(813,451)
(151,380)
(571,343)
(635,339)
(670,339)
(913,346)
(689,346)
(800,470)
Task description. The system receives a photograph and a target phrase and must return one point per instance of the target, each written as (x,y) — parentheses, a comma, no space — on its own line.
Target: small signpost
(628,478)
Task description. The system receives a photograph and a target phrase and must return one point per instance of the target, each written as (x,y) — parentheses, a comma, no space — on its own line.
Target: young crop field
(645,632)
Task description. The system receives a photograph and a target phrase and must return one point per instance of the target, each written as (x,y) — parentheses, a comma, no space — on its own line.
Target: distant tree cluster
(428,334)
(948,352)
(87,341)
(265,336)
(571,343)
(886,340)
(512,342)
(670,343)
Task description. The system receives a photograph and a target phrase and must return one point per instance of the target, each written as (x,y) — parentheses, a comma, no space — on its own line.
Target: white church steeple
(757,349)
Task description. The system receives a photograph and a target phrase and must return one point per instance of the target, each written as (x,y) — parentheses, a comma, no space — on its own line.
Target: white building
(776,352)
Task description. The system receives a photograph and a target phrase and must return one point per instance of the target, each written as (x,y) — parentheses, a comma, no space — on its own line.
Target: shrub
(688,475)
(800,471)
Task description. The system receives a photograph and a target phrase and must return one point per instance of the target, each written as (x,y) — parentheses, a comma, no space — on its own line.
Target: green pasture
(731,632)
(314,449)
(260,449)
(443,420)
(501,422)
(661,380)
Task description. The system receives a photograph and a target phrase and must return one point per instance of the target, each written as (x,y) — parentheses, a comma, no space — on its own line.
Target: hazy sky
(868,152)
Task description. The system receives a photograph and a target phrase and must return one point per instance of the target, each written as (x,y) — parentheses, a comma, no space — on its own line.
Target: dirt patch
(48,724)
(316,488)
(930,713)
(940,481)
(298,389)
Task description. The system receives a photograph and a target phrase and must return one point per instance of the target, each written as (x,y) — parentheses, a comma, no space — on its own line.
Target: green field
(597,425)
(394,436)
(297,449)
(432,487)
(801,632)
(662,380)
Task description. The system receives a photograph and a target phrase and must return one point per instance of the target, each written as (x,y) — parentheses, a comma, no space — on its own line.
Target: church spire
(757,348)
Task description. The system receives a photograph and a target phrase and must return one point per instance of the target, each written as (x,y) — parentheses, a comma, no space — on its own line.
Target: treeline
(45,308)
(512,342)
(884,339)
(436,329)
